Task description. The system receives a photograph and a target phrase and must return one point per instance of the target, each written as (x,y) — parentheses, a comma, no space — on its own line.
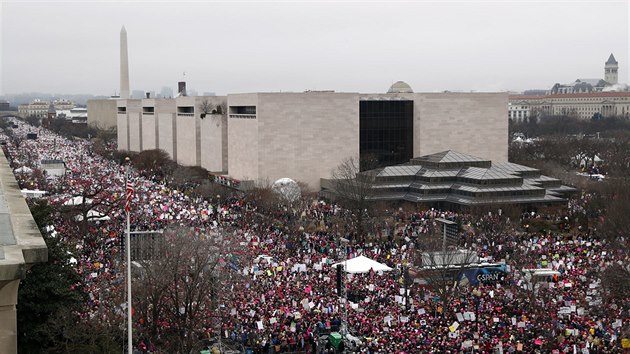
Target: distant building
(41,109)
(583,98)
(52,112)
(578,105)
(36,108)
(611,70)
(4,105)
(63,104)
(591,85)
(78,115)
(580,86)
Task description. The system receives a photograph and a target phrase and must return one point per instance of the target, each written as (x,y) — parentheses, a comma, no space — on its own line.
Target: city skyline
(278,46)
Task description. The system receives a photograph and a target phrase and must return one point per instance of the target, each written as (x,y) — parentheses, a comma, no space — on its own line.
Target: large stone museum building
(305,136)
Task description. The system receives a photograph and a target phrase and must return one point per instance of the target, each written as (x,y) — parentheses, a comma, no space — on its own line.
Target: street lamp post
(343,296)
(449,229)
(477,300)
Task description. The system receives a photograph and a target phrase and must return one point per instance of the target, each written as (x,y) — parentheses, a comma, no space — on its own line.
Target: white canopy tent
(362,264)
(23,169)
(93,215)
(78,200)
(33,193)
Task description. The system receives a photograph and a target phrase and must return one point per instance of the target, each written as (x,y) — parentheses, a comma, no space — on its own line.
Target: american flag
(129,195)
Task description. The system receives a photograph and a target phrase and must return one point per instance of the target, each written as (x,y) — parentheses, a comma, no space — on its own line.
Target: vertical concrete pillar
(8,315)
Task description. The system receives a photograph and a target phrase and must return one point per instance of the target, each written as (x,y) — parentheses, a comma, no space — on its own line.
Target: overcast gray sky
(353,46)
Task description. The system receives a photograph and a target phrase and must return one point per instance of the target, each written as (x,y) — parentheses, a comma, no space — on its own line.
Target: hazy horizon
(70,47)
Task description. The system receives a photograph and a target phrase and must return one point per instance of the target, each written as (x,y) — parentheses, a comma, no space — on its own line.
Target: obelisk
(124,65)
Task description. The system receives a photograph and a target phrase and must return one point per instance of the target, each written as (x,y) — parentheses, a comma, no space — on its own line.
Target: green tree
(49,290)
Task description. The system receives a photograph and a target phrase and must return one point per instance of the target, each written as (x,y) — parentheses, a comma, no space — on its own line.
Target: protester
(289,297)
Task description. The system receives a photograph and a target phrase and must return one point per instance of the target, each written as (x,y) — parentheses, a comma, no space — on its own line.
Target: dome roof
(400,87)
(287,188)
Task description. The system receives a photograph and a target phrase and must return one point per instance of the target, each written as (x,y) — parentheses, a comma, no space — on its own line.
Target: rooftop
(611,59)
(400,87)
(457,178)
(572,95)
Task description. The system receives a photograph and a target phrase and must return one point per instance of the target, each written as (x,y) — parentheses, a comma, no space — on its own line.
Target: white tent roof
(78,200)
(362,264)
(23,169)
(93,215)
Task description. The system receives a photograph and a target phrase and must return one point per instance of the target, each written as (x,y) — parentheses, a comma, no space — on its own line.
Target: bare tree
(205,107)
(263,197)
(185,288)
(354,189)
(615,224)
(221,108)
(442,269)
(107,136)
(616,283)
(93,200)
(34,121)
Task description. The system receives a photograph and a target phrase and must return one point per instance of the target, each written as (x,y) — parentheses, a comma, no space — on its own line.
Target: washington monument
(124,65)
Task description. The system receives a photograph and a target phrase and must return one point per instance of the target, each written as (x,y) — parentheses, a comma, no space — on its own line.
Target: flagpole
(128,256)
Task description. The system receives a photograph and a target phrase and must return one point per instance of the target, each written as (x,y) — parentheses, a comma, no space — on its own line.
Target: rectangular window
(242,112)
(242,109)
(185,111)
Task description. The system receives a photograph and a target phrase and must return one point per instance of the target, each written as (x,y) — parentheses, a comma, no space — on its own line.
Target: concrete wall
(148,132)
(471,123)
(212,133)
(134,115)
(305,136)
(122,130)
(166,133)
(148,124)
(22,245)
(102,113)
(187,134)
(122,134)
(212,149)
(243,140)
(164,108)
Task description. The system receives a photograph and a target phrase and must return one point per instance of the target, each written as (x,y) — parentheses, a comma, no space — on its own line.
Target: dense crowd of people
(288,294)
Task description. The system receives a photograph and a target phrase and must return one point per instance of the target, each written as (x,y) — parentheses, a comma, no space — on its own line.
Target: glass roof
(485,173)
(417,181)
(402,170)
(450,156)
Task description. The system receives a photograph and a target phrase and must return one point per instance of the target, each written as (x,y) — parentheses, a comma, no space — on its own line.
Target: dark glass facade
(386,133)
